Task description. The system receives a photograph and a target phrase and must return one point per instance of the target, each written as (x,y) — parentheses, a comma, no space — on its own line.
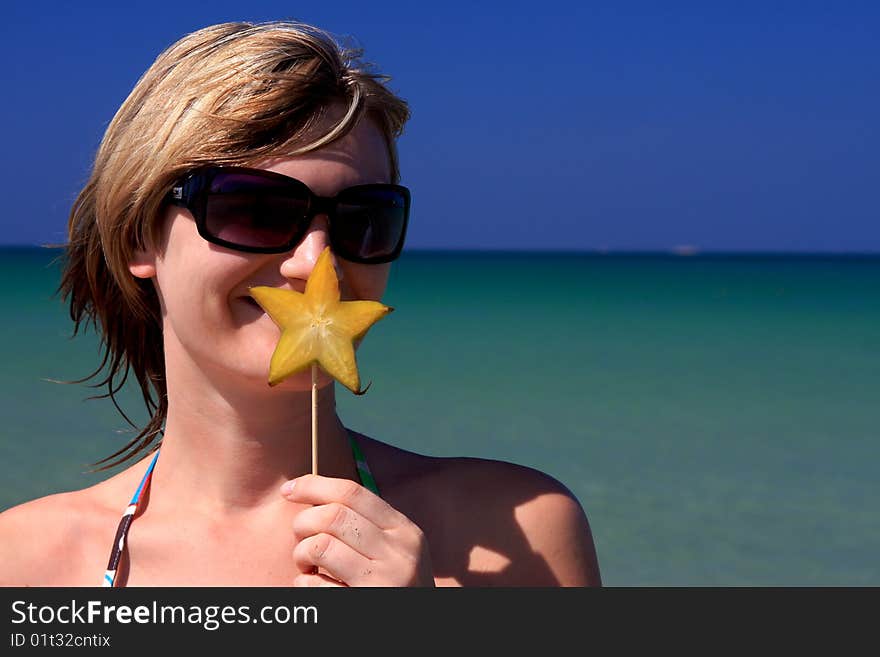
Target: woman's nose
(299,262)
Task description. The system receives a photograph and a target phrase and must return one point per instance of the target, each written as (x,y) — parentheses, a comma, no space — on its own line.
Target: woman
(201,190)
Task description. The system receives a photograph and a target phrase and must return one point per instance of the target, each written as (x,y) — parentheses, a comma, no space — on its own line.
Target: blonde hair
(228,94)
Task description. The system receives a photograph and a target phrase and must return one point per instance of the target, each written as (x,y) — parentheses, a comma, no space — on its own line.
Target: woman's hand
(354,537)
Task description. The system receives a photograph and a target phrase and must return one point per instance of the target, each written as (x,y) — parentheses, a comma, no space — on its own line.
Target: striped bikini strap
(364,473)
(124,523)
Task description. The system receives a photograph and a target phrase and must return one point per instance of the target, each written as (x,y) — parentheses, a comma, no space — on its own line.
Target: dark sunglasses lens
(254,212)
(370,222)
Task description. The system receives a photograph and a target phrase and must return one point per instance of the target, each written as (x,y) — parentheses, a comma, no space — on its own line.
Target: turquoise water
(716,416)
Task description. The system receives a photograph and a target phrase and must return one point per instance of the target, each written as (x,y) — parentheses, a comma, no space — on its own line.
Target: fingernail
(287,487)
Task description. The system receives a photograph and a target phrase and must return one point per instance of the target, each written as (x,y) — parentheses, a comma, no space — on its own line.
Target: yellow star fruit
(316,327)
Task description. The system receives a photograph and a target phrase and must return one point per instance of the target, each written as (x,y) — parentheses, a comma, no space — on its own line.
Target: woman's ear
(143,263)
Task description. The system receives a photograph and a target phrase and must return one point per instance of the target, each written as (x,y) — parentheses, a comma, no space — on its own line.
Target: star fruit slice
(317,327)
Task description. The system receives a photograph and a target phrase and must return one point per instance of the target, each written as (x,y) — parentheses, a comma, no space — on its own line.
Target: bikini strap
(366,476)
(124,524)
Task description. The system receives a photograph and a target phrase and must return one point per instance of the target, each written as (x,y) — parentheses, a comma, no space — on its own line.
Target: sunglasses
(261,211)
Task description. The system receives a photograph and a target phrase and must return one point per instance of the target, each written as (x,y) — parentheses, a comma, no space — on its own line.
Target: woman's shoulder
(61,539)
(490,522)
(397,466)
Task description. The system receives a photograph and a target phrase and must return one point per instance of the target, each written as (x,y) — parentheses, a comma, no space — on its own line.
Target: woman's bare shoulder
(510,483)
(51,540)
(491,522)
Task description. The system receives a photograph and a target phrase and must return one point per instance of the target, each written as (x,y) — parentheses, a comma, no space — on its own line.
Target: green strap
(364,473)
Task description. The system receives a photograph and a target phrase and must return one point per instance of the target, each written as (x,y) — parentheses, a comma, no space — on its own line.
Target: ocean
(716,415)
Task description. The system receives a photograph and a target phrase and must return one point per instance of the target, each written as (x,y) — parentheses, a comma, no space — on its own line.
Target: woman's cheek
(364,281)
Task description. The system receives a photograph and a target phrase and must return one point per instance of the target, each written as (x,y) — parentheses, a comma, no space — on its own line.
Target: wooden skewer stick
(314,418)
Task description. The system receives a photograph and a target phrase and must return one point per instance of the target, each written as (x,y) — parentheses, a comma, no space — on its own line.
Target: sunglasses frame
(192,192)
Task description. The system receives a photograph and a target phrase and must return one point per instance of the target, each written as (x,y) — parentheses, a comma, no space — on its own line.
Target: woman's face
(210,320)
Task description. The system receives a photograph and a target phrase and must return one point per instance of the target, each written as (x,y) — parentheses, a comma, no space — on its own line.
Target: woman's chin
(297,382)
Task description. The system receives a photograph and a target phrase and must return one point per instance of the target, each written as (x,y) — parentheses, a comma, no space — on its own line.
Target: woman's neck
(228,449)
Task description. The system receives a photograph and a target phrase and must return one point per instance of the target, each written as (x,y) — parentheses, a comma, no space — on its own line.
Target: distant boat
(685,250)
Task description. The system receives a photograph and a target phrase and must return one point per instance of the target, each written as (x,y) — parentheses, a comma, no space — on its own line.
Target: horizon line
(675,251)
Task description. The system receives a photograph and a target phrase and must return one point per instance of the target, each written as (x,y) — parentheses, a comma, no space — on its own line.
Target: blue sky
(612,125)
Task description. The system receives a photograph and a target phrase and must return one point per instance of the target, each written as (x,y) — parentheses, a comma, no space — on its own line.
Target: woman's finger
(315,580)
(333,556)
(315,489)
(344,523)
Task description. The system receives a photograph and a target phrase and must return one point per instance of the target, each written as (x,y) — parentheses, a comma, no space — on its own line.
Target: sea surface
(717,416)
